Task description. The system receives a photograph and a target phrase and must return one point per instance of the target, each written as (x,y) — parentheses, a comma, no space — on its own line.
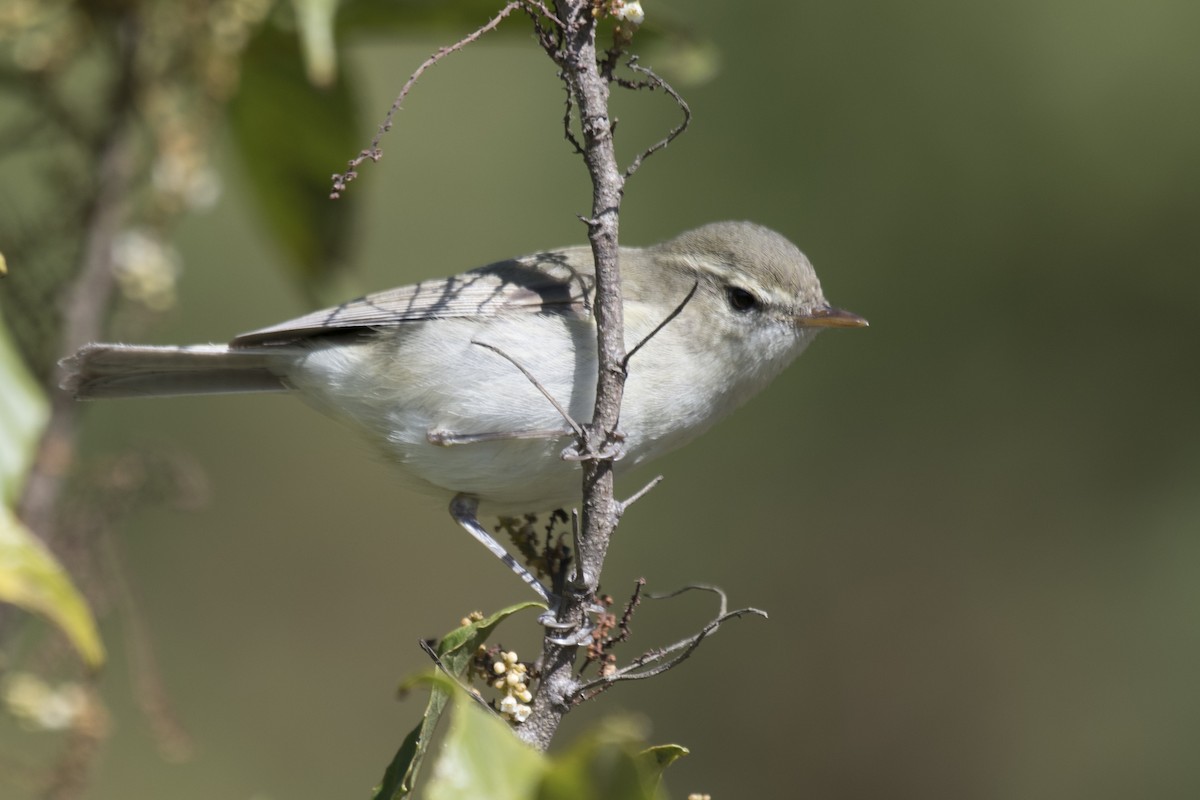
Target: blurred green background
(974,524)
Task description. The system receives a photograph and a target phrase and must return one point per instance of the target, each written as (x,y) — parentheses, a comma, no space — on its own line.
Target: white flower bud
(631,12)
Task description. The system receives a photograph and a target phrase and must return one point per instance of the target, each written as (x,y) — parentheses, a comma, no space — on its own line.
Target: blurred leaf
(31,578)
(482,758)
(655,760)
(291,137)
(455,651)
(681,58)
(23,414)
(604,764)
(315,18)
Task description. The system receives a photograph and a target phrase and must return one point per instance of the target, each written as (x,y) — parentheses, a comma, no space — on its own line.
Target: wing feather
(554,282)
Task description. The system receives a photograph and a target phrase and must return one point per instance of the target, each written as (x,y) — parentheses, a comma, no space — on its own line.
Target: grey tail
(123,370)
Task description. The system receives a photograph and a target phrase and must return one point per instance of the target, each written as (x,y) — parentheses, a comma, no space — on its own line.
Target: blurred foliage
(74,76)
(30,576)
(975,525)
(290,135)
(23,414)
(109,113)
(74,79)
(481,758)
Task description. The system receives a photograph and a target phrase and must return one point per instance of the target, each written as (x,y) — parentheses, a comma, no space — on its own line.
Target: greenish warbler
(450,377)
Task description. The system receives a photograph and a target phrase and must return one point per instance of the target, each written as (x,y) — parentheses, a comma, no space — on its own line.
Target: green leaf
(455,651)
(603,765)
(685,60)
(482,758)
(24,411)
(292,136)
(315,18)
(31,578)
(457,648)
(655,760)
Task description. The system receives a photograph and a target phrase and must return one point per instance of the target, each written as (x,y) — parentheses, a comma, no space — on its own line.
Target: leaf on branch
(454,653)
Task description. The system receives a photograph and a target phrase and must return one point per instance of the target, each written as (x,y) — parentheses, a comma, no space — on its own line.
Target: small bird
(472,384)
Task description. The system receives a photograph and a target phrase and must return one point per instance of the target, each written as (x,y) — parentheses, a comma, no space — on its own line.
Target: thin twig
(575,426)
(694,587)
(675,313)
(627,616)
(639,494)
(648,664)
(652,81)
(373,152)
(437,662)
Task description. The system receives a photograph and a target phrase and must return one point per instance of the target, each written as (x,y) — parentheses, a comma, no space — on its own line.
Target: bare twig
(627,616)
(373,152)
(655,661)
(653,80)
(675,313)
(640,493)
(575,426)
(437,662)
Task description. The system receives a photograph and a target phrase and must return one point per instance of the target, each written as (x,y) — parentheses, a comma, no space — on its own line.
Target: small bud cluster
(630,11)
(40,706)
(510,678)
(147,268)
(504,671)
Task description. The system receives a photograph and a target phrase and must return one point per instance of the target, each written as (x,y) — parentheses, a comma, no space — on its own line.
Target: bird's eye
(741,300)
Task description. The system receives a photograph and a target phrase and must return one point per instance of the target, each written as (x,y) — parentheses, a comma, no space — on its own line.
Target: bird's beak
(830,317)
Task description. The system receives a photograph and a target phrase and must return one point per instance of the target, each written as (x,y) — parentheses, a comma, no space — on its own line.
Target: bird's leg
(464,509)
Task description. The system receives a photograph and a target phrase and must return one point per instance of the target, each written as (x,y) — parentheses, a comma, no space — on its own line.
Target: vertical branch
(88,297)
(576,55)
